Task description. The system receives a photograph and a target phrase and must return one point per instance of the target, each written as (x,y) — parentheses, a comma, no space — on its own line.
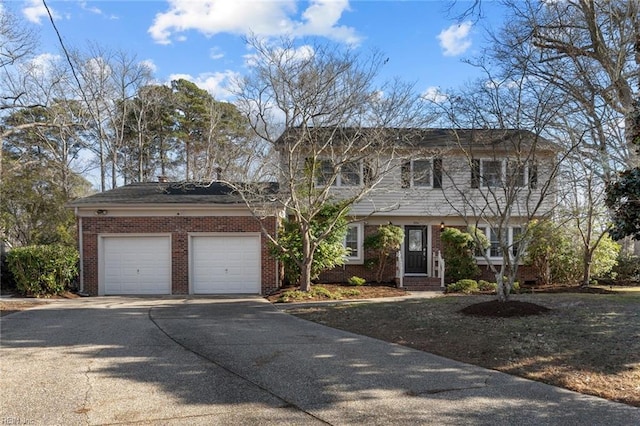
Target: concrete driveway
(241,361)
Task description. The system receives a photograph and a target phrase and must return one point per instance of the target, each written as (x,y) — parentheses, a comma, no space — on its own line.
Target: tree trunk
(307,260)
(586,268)
(502,290)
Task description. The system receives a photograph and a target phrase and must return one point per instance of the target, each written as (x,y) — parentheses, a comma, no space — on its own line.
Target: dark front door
(415,249)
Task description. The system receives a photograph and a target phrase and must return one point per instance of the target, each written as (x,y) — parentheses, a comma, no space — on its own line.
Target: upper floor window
(492,173)
(422,173)
(348,174)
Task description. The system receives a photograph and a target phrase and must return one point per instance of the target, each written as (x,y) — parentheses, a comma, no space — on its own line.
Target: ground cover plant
(589,343)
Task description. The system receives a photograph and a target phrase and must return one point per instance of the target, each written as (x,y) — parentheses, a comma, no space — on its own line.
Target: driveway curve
(168,361)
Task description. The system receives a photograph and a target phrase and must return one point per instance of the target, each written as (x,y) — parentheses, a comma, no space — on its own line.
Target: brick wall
(342,273)
(178,227)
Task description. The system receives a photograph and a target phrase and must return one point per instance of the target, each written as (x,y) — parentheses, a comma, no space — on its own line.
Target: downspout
(81,252)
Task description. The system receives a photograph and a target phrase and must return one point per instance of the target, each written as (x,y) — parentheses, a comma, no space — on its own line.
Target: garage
(225,263)
(135,265)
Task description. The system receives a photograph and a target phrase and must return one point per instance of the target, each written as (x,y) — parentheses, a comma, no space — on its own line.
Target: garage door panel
(137,265)
(225,264)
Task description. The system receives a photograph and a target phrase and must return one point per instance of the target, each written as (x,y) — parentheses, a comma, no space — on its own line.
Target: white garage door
(136,265)
(225,264)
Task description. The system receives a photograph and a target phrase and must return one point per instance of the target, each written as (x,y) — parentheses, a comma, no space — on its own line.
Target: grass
(589,343)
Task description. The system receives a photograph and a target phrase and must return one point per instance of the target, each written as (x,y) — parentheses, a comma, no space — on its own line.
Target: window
(511,237)
(353,242)
(491,173)
(349,174)
(495,173)
(422,173)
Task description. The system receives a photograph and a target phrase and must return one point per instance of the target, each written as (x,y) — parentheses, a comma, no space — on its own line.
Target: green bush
(43,270)
(330,251)
(356,281)
(628,267)
(458,250)
(487,286)
(463,286)
(386,240)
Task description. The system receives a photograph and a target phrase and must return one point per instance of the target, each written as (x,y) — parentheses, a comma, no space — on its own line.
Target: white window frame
(487,231)
(337,182)
(412,174)
(504,168)
(359,257)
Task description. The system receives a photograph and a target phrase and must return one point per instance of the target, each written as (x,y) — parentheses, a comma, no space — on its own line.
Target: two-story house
(424,180)
(177,238)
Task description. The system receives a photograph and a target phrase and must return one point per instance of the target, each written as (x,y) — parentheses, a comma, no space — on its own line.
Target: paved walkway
(241,361)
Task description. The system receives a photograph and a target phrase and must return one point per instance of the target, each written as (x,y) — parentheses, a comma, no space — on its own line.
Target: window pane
(479,250)
(422,173)
(351,241)
(516,174)
(415,240)
(325,173)
(496,250)
(516,234)
(491,173)
(350,174)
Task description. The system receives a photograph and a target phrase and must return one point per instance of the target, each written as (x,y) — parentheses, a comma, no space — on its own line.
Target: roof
(170,193)
(427,137)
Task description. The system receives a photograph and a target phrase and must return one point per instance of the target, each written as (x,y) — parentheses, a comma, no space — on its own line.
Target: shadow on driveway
(209,360)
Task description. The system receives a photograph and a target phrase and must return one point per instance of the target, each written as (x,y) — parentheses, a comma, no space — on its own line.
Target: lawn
(589,343)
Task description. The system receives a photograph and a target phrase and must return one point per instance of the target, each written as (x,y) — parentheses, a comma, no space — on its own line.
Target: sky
(202,41)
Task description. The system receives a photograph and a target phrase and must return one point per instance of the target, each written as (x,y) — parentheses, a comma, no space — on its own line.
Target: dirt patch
(9,306)
(324,292)
(588,343)
(510,308)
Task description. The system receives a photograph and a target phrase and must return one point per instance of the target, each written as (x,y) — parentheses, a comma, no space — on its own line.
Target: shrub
(458,249)
(43,270)
(463,286)
(628,267)
(330,251)
(356,281)
(350,292)
(386,240)
(316,292)
(487,286)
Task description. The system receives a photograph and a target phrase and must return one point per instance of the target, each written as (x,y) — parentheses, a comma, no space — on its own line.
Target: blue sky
(202,40)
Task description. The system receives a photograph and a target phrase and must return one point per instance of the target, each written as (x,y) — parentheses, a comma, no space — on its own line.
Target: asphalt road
(170,361)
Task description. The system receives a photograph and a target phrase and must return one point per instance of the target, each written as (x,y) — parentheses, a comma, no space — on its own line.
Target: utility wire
(66,53)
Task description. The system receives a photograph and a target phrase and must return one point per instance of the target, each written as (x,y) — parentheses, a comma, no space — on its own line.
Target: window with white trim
(422,173)
(491,173)
(353,242)
(348,174)
(510,236)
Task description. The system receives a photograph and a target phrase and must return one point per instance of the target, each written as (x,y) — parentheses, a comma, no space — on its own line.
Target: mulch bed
(511,308)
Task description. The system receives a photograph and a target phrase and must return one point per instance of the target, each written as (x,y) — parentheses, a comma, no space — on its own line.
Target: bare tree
(506,167)
(321,110)
(108,80)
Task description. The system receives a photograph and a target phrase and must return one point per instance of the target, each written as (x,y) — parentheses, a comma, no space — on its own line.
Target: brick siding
(179,228)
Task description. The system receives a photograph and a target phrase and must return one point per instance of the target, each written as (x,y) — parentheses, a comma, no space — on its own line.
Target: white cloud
(35,11)
(288,55)
(150,64)
(218,84)
(215,53)
(455,39)
(43,64)
(266,18)
(93,9)
(434,94)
